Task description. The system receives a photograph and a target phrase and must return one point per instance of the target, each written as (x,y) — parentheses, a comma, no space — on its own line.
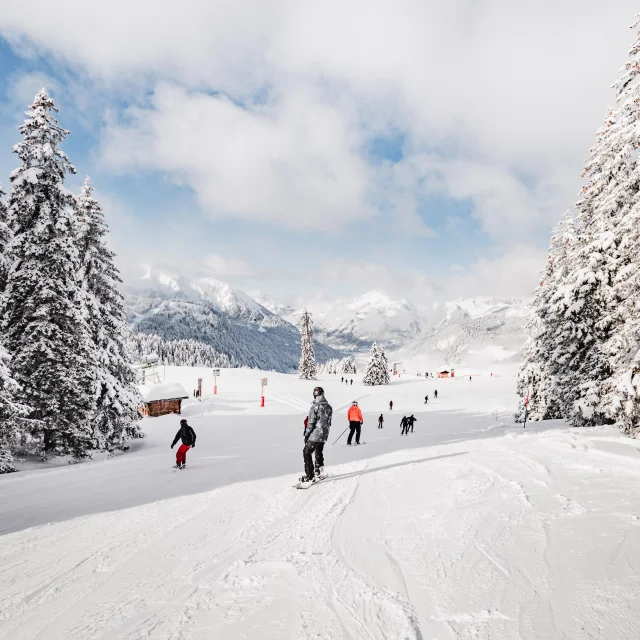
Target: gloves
(193,446)
(172,446)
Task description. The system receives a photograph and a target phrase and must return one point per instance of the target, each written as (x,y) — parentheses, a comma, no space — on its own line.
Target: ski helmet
(355,403)
(318,391)
(183,421)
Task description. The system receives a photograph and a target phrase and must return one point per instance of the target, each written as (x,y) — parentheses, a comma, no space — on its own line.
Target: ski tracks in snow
(523,537)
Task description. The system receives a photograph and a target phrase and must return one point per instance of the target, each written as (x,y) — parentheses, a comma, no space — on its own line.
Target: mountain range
(178,313)
(181,317)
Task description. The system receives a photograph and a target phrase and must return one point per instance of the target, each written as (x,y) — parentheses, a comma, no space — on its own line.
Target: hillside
(354,324)
(208,322)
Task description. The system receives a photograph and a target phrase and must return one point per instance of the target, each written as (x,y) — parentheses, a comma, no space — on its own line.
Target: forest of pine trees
(582,359)
(338,366)
(66,382)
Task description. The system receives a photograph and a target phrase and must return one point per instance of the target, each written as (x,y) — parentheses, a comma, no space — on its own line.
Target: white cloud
(217,266)
(294,162)
(498,103)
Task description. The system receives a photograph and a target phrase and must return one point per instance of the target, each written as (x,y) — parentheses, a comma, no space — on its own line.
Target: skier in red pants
(188,437)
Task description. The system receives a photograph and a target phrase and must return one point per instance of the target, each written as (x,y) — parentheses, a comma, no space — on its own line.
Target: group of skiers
(346,380)
(316,432)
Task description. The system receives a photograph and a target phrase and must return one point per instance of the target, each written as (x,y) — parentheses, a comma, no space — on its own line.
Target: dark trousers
(379,425)
(355,428)
(307,454)
(405,429)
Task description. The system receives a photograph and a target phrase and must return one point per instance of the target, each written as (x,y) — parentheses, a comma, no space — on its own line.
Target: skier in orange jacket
(354,416)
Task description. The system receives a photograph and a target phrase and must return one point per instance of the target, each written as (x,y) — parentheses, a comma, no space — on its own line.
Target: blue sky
(428,154)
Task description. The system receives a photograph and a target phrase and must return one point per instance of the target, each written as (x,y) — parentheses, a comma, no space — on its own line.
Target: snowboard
(306,485)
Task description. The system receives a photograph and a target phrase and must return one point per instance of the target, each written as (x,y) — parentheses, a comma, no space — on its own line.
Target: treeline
(66,383)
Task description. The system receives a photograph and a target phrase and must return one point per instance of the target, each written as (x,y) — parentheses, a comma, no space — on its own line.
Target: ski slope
(469,528)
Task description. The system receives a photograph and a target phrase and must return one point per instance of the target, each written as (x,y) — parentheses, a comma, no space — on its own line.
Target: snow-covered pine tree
(376,372)
(307,367)
(537,375)
(116,398)
(347,365)
(45,331)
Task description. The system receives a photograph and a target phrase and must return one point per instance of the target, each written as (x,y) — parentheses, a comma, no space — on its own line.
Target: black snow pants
(307,454)
(354,428)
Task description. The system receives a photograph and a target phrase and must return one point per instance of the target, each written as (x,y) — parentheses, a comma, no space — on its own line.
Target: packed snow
(471,527)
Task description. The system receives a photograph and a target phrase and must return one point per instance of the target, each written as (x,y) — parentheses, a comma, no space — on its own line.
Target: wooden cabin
(162,399)
(445,374)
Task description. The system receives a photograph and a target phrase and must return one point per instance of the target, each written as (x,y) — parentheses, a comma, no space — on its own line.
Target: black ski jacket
(187,434)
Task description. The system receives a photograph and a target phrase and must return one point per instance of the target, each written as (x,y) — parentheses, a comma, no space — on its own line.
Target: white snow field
(470,528)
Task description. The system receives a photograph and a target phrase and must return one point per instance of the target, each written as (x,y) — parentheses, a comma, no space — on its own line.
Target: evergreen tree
(537,377)
(115,412)
(307,367)
(377,369)
(348,365)
(45,331)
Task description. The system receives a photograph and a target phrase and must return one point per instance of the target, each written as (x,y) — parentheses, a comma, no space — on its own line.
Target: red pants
(181,456)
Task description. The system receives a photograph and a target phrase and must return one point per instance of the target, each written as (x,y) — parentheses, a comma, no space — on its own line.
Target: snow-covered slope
(209,312)
(354,324)
(469,528)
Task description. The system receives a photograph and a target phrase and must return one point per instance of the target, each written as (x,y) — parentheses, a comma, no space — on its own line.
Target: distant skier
(188,437)
(315,435)
(342,379)
(426,399)
(469,378)
(380,421)
(405,426)
(354,416)
(435,394)
(352,382)
(391,405)
(410,422)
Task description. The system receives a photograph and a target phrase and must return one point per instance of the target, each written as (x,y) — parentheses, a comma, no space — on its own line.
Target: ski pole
(340,436)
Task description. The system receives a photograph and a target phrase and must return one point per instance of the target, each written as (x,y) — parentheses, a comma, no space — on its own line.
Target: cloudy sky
(420,147)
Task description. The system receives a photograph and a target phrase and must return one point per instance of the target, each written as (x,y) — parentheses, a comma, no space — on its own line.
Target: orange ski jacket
(354,414)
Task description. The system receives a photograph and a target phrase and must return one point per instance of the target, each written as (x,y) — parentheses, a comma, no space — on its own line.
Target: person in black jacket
(188,437)
(405,426)
(410,421)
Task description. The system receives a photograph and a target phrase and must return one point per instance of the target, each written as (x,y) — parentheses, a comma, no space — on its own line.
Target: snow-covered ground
(469,528)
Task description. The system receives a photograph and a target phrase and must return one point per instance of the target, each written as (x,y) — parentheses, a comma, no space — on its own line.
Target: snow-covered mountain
(482,329)
(205,317)
(354,324)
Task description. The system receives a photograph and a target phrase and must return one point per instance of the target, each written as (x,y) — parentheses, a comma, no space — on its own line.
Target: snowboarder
(405,426)
(391,405)
(354,416)
(188,437)
(426,399)
(435,394)
(380,421)
(410,421)
(315,435)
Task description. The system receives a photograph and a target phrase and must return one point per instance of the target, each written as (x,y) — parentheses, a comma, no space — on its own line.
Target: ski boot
(319,475)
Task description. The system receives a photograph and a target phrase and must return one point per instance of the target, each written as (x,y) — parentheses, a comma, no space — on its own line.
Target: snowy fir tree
(45,330)
(116,398)
(537,377)
(377,371)
(593,314)
(307,367)
(347,365)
